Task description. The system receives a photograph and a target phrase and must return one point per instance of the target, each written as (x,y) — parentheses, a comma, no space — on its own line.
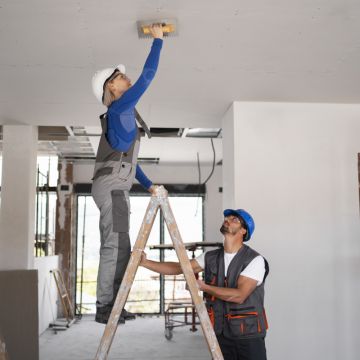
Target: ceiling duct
(52,133)
(202,132)
(143,160)
(164,132)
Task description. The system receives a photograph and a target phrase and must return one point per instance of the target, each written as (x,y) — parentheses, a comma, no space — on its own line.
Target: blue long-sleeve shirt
(121,124)
(142,178)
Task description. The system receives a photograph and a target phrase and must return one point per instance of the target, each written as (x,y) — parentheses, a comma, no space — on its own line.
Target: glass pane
(48,164)
(45,206)
(144,295)
(45,233)
(189,218)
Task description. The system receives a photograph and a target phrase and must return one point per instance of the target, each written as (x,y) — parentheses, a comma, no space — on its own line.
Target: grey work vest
(233,320)
(110,161)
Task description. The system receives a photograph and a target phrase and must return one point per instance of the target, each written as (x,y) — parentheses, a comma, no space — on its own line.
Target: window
(45,206)
(150,291)
(189,218)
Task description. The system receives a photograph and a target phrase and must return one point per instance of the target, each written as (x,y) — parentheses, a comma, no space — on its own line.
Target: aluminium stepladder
(159,200)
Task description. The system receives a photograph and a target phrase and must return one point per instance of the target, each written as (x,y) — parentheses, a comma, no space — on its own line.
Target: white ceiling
(280,50)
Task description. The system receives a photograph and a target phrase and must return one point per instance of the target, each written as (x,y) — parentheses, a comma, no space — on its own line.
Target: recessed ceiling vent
(203,132)
(164,132)
(148,160)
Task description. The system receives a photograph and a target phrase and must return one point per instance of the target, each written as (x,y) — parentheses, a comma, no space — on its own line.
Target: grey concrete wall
(19,313)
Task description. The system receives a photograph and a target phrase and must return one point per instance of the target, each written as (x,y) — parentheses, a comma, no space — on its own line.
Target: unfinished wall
(19,313)
(47,291)
(65,244)
(299,179)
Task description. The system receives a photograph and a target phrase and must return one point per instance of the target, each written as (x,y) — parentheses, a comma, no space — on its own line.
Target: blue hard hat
(249,221)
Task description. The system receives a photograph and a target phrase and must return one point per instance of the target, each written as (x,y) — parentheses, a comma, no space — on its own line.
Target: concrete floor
(140,339)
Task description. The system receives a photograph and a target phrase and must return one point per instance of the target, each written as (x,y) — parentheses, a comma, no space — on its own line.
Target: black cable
(199,169)
(213,166)
(199,172)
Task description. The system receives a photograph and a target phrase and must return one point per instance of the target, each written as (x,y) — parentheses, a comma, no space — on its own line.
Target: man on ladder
(115,170)
(234,288)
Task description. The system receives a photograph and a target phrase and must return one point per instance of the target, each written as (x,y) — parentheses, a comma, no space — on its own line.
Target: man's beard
(224,230)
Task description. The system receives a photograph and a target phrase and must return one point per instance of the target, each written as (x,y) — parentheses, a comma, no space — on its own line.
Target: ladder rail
(191,281)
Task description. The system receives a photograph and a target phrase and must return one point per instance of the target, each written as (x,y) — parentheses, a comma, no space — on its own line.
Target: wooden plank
(128,279)
(190,280)
(63,295)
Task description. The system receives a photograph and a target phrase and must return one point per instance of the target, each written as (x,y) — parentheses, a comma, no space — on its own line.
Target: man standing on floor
(234,288)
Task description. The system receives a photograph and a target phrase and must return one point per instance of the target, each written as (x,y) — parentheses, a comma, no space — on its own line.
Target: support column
(231,166)
(18,192)
(65,242)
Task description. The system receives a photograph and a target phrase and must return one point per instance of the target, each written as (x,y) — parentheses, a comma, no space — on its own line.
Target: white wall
(229,163)
(18,189)
(179,174)
(48,294)
(299,179)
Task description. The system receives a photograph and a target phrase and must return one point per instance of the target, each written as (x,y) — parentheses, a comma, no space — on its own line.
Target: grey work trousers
(111,195)
(242,349)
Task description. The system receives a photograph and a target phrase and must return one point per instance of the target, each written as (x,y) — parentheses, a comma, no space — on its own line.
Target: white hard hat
(100,77)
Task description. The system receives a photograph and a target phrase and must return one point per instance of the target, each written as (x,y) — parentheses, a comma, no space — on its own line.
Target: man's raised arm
(168,267)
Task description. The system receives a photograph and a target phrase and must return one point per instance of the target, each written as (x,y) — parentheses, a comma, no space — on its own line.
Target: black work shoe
(103,314)
(127,315)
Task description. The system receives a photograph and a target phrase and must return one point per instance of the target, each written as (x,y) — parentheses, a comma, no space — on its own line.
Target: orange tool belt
(244,316)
